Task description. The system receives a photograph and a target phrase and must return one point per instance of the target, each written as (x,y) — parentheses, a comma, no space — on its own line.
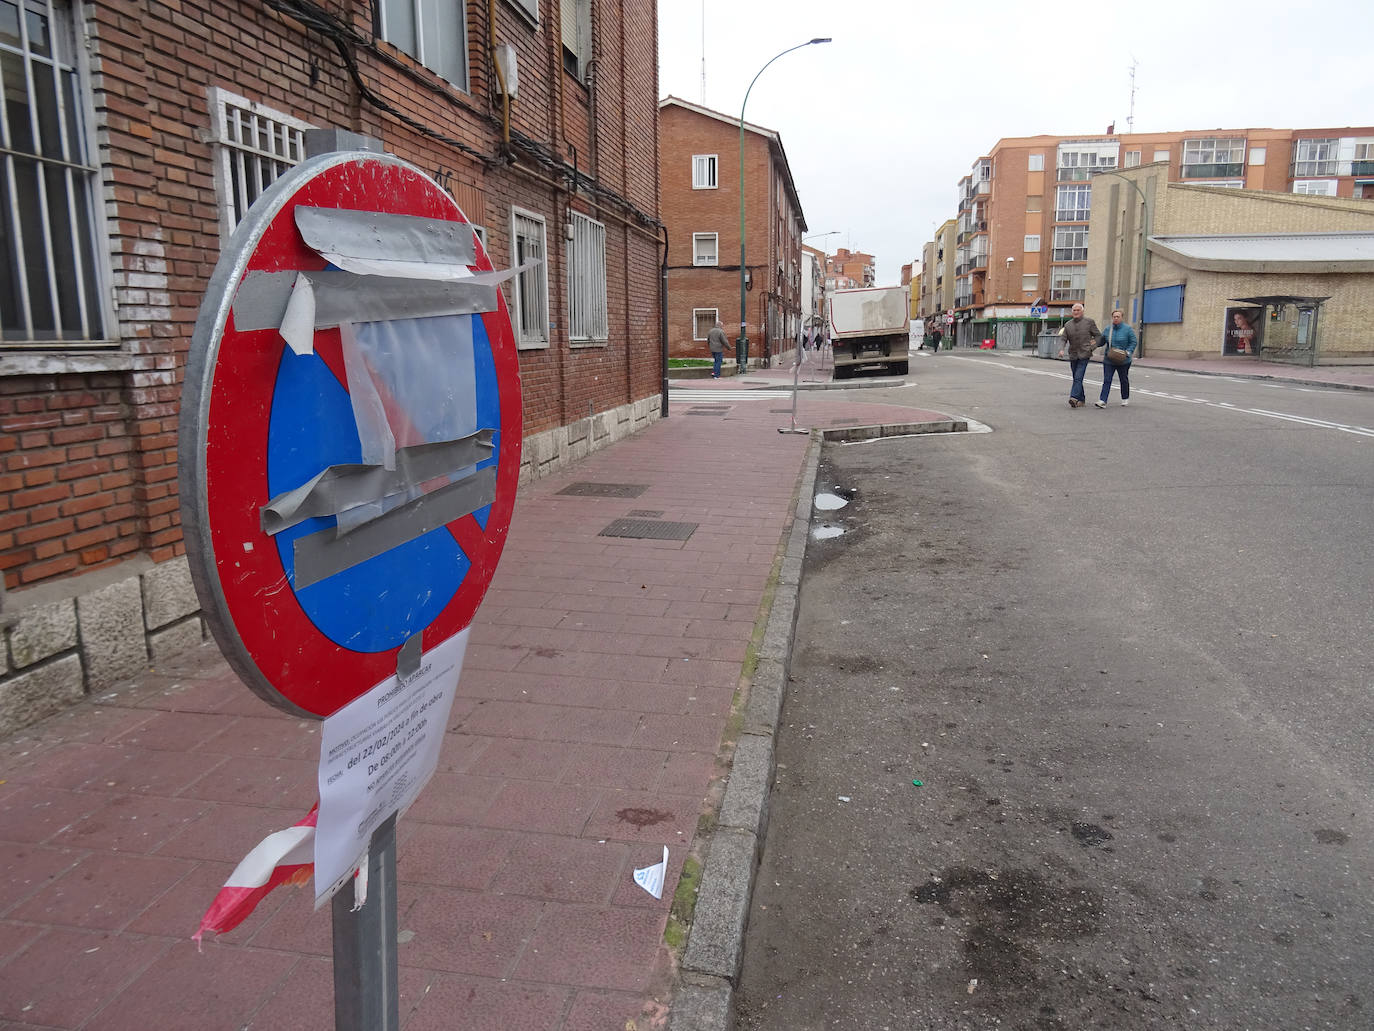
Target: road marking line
(1322,424)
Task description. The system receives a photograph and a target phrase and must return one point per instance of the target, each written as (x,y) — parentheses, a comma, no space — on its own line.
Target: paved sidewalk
(587,734)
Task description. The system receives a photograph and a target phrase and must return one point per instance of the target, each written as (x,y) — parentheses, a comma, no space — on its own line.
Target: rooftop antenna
(1130,118)
(703,53)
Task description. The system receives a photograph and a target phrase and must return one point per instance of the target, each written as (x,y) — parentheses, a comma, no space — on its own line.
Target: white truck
(869,329)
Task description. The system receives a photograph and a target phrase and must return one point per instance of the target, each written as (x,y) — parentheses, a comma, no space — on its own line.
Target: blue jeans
(1124,371)
(716,356)
(1078,366)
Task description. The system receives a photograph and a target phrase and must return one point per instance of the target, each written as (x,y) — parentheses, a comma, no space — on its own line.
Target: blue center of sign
(381,602)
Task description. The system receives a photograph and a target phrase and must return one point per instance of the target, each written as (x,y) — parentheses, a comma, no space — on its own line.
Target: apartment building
(1023,209)
(938,260)
(699,155)
(850,269)
(137,136)
(813,286)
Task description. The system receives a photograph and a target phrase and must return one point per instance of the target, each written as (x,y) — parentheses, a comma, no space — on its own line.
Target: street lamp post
(1144,238)
(742,343)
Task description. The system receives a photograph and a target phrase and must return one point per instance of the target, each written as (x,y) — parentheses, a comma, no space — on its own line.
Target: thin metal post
(366,994)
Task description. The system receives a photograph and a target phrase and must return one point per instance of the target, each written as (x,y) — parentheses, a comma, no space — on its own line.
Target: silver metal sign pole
(366,993)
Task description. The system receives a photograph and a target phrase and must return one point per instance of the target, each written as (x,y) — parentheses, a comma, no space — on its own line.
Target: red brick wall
(88,460)
(683,133)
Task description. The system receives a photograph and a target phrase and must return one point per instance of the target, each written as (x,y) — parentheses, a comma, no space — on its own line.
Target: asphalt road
(1128,655)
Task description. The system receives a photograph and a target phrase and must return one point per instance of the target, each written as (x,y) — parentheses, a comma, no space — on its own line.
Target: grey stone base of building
(545,453)
(69,639)
(74,637)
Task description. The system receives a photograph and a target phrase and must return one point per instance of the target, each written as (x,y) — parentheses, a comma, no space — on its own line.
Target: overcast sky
(880,124)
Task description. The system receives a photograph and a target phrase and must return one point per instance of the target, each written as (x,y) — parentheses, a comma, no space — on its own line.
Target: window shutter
(567,16)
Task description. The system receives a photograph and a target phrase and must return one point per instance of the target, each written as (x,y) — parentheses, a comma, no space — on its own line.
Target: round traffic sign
(261,419)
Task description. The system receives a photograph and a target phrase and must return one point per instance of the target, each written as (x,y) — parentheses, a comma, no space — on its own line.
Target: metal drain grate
(605,490)
(645,513)
(649,530)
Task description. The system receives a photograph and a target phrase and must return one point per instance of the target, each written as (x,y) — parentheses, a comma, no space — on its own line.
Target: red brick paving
(596,689)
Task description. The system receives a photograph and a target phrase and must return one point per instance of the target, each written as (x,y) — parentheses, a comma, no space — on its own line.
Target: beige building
(1239,273)
(1023,225)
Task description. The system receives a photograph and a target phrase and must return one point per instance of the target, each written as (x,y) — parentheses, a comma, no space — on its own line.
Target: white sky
(880,124)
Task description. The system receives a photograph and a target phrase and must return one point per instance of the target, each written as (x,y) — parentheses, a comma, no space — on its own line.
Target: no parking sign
(350,451)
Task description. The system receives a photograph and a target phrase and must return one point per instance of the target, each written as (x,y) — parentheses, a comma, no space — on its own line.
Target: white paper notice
(376,753)
(651,877)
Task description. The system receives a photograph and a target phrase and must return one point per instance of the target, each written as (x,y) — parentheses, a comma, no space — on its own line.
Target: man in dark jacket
(715,339)
(1080,337)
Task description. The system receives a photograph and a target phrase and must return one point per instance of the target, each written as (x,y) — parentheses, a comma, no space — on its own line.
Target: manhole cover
(649,529)
(605,490)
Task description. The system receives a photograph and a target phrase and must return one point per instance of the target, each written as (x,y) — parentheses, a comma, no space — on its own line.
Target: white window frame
(254,146)
(1257,155)
(1070,243)
(1132,159)
(1035,162)
(32,232)
(1082,194)
(1031,243)
(1315,156)
(588,316)
(1029,281)
(696,254)
(427,48)
(1316,187)
(1213,150)
(1069,283)
(705,171)
(1161,155)
(530,289)
(696,312)
(529,8)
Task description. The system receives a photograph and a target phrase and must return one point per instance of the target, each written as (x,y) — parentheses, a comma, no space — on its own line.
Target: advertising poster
(1244,328)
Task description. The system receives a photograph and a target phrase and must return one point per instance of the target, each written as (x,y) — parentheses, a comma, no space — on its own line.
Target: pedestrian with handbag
(1080,339)
(1120,342)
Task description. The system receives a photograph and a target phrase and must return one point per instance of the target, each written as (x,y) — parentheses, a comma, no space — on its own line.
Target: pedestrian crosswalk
(707,396)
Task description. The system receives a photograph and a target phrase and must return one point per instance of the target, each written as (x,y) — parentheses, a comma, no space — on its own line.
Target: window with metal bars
(530,286)
(50,283)
(588,320)
(255,145)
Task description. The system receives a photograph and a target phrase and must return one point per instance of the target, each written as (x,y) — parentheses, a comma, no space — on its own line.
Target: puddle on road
(824,533)
(830,502)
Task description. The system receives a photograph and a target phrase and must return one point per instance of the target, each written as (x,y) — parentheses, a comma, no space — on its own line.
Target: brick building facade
(136,137)
(699,155)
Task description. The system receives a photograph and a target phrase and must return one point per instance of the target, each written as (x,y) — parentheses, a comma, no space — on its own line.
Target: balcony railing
(985,186)
(1311,169)
(1076,174)
(1067,294)
(1224,170)
(963,268)
(978,261)
(1070,254)
(1071,214)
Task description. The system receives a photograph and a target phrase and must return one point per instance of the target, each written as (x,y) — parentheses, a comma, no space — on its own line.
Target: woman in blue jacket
(1121,335)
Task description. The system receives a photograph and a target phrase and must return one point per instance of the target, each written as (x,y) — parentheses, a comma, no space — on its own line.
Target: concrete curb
(704,1000)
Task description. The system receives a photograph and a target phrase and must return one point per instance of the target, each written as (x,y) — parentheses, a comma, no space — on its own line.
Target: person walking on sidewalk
(715,339)
(1080,338)
(1122,336)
